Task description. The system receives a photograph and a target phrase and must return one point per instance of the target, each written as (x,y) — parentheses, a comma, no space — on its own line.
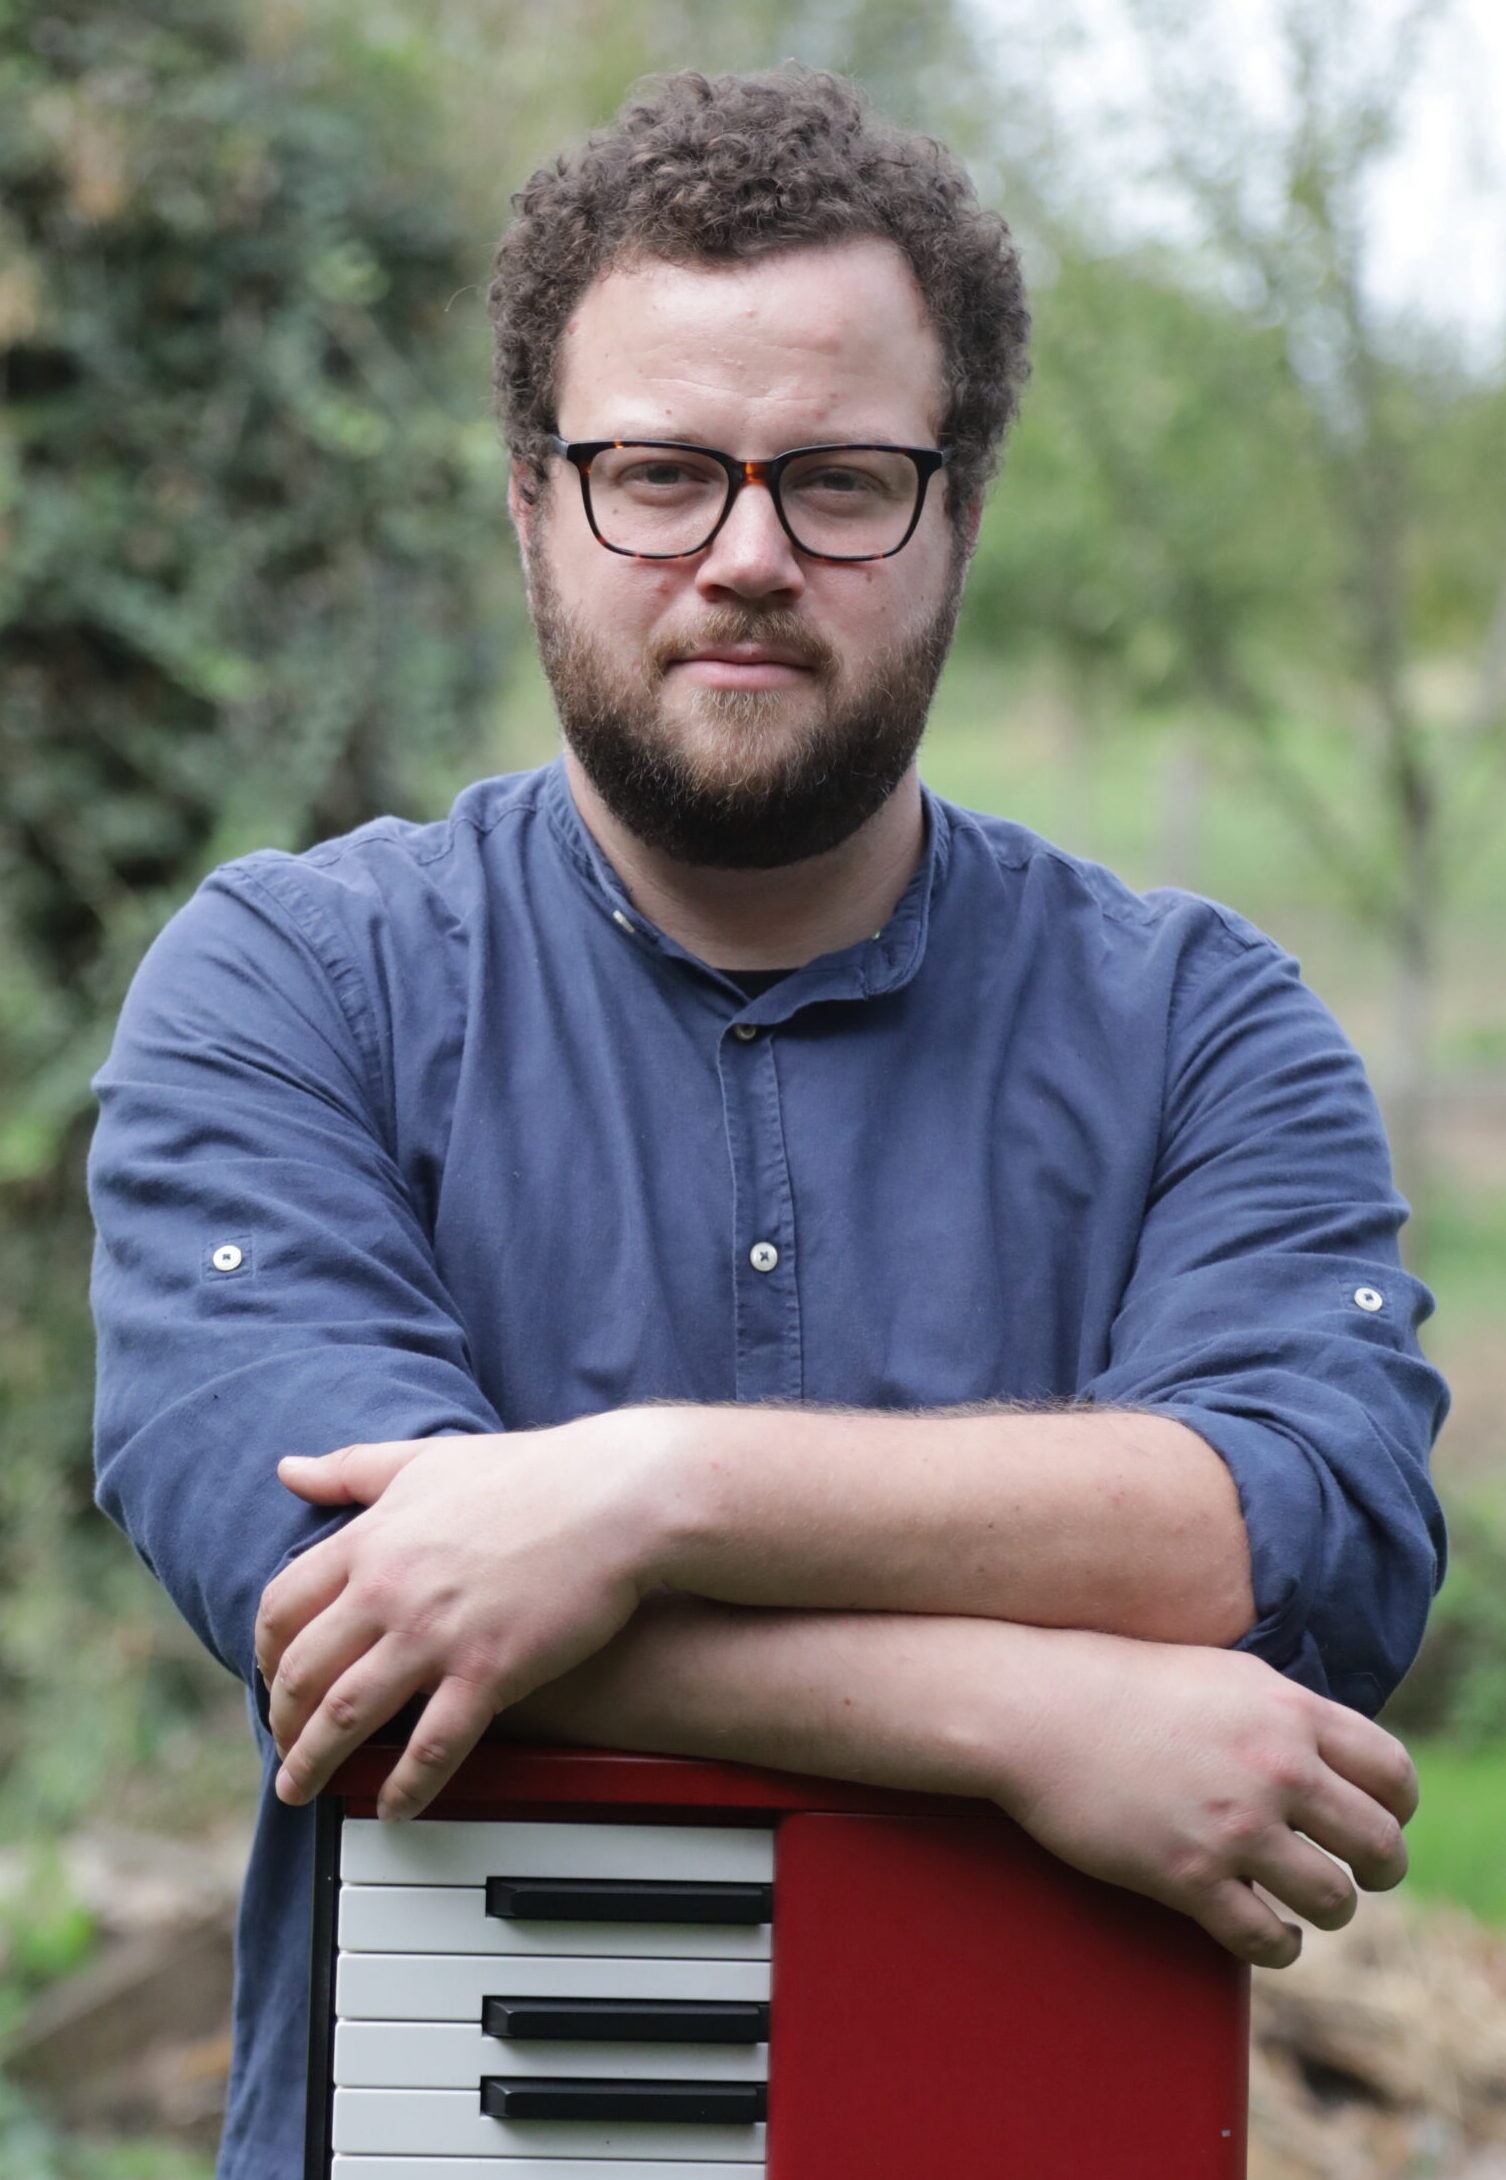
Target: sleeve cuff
(1281,1501)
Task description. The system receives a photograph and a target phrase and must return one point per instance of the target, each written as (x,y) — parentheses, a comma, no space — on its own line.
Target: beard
(737,787)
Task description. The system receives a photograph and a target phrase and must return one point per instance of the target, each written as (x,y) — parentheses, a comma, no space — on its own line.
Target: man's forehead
(839,326)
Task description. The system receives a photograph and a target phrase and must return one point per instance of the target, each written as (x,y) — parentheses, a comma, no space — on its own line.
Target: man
(794,1271)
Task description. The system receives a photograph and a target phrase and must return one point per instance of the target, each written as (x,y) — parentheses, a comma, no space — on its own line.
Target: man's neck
(767,919)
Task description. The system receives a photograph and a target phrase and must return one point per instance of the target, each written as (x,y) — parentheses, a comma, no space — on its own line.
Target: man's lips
(741,666)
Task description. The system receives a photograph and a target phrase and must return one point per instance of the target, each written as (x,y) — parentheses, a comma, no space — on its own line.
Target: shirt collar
(872,967)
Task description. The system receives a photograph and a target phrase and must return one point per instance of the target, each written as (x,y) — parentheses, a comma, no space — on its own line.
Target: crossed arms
(1022,1606)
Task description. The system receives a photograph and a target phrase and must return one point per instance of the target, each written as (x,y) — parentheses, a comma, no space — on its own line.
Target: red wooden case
(947,1999)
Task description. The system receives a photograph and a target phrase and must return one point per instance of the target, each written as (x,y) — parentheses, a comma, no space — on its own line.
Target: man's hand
(481,1567)
(1196,1776)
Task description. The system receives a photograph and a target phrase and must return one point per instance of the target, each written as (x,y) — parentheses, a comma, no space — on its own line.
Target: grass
(1457,1840)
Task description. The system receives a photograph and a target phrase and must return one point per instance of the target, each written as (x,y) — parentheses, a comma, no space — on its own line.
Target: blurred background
(1237,623)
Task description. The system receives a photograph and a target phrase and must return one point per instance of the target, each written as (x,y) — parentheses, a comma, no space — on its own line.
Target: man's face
(785,743)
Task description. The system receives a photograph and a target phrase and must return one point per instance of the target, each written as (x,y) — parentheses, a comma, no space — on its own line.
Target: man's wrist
(674,1474)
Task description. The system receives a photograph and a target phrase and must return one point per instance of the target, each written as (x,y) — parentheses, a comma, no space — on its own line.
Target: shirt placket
(765,1271)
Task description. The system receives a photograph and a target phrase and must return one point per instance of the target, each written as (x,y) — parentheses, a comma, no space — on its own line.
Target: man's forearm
(883,1698)
(1186,1773)
(1121,1522)
(486,1567)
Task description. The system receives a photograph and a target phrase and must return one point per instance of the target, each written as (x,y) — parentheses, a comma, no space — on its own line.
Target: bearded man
(794,1270)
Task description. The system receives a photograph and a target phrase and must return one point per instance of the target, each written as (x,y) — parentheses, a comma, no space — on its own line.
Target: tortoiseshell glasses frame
(581,453)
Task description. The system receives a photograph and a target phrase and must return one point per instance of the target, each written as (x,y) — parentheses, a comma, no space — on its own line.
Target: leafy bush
(249,541)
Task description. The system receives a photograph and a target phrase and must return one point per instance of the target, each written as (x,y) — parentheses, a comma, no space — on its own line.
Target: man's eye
(662,477)
(841,484)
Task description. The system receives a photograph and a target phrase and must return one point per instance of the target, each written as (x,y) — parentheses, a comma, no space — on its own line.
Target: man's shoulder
(1076,894)
(390,856)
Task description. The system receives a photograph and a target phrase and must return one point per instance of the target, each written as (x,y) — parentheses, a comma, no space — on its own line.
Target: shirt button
(1369,1298)
(624,923)
(746,1031)
(763,1256)
(227,1258)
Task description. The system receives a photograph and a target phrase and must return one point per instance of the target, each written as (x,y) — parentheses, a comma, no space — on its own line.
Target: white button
(747,1031)
(227,1258)
(624,923)
(763,1256)
(1369,1298)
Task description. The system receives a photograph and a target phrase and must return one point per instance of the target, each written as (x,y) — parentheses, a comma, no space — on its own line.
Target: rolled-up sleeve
(263,1282)
(1268,1311)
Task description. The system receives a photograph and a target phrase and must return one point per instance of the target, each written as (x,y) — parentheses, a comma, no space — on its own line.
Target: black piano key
(717,2104)
(626,1900)
(628,2020)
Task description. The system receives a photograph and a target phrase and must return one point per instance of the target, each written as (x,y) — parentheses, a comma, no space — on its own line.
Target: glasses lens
(656,499)
(850,502)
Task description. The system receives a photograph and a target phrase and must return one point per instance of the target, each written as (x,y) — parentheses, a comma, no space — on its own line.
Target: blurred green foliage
(250,592)
(1458,1685)
(1454,1841)
(44,1932)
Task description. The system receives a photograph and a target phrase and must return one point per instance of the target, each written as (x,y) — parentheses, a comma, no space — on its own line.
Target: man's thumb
(352,1473)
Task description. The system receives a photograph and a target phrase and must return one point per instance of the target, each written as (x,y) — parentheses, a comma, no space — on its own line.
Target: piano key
(669,2020)
(627,1900)
(437,1852)
(456,2054)
(453,1919)
(450,2123)
(441,1987)
(682,2103)
(531,2168)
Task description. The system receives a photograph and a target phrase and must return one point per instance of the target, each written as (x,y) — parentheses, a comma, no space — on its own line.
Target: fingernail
(285,1786)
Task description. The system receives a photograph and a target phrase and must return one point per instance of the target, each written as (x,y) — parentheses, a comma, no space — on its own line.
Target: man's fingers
(312,1662)
(1373,1759)
(1301,1877)
(291,1599)
(1352,1824)
(1233,1912)
(453,1721)
(352,1475)
(362,1699)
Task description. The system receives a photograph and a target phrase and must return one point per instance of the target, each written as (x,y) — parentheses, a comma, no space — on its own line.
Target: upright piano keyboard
(581,1966)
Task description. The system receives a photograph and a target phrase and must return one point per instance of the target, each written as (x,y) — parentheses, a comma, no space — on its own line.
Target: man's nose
(751,555)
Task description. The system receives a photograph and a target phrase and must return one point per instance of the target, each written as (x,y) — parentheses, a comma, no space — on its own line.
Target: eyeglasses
(662,499)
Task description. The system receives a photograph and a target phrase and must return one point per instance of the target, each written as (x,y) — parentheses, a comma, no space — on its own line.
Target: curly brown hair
(713,170)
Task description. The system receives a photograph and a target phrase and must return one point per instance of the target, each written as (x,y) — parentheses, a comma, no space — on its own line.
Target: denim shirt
(430,1130)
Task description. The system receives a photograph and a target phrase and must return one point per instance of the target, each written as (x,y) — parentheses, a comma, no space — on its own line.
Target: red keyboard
(585,1966)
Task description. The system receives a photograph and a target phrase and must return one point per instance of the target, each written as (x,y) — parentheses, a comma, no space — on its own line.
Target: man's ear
(522,500)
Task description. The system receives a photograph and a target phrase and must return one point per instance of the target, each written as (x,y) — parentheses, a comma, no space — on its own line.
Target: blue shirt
(430,1130)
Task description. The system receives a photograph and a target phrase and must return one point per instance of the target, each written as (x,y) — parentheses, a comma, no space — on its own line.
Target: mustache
(777,627)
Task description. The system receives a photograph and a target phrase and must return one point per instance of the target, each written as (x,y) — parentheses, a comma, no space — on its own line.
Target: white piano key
(453,2055)
(453,1919)
(530,2168)
(440,1852)
(450,1987)
(449,2123)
